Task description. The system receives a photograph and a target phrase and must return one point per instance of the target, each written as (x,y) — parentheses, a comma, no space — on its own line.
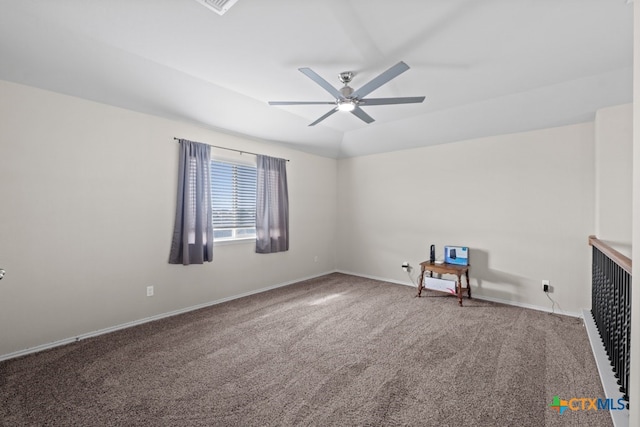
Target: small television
(458,255)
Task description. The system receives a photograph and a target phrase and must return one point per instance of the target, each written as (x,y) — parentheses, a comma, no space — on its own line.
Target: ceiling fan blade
(388,101)
(358,112)
(383,78)
(322,82)
(324,117)
(301,102)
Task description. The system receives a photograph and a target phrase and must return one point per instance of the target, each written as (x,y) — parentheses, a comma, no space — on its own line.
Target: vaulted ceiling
(486,67)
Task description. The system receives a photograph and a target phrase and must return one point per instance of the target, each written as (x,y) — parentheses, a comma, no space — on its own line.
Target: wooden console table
(457,270)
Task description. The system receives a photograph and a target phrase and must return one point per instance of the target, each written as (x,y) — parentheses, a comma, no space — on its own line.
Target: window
(233,201)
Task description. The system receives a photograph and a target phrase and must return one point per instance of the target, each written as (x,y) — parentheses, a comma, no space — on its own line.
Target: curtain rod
(230,149)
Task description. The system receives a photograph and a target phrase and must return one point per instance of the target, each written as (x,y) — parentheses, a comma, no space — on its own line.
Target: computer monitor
(456,255)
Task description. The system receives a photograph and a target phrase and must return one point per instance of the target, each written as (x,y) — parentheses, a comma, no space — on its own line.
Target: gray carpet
(337,350)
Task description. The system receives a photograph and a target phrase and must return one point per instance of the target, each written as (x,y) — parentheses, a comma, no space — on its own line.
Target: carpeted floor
(333,351)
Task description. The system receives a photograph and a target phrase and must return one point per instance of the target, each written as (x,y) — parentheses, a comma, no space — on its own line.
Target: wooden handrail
(622,260)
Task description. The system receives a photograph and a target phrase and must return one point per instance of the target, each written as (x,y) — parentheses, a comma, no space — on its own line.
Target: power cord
(415,283)
(553,303)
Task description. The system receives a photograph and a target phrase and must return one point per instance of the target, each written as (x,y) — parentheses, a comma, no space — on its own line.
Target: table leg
(466,274)
(459,291)
(420,283)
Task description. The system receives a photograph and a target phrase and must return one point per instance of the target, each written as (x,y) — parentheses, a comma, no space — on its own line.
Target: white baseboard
(77,338)
(382,279)
(476,296)
(530,306)
(607,377)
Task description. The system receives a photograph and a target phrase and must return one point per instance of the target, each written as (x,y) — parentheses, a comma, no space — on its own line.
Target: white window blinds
(233,200)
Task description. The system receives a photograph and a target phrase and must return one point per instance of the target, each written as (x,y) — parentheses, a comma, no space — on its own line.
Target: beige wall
(523,203)
(86,217)
(614,176)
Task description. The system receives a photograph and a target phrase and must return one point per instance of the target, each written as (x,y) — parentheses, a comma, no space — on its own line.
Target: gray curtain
(193,231)
(272,206)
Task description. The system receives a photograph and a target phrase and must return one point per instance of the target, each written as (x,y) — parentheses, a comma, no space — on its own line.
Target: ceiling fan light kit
(346,105)
(346,99)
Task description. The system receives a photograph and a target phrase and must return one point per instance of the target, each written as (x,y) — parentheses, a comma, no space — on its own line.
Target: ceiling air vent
(218,6)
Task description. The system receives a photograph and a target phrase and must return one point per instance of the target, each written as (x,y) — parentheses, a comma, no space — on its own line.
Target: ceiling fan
(347,99)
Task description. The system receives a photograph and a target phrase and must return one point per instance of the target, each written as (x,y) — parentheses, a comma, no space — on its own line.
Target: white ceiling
(486,67)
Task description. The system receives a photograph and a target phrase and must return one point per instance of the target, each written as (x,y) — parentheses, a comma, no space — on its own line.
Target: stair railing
(611,307)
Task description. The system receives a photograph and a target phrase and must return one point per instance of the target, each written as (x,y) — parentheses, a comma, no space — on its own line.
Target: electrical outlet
(149,291)
(545,286)
(315,258)
(406,266)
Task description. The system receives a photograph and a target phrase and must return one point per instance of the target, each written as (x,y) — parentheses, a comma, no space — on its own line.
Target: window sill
(234,241)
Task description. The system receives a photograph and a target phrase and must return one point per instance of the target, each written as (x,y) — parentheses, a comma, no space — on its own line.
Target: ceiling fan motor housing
(346,91)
